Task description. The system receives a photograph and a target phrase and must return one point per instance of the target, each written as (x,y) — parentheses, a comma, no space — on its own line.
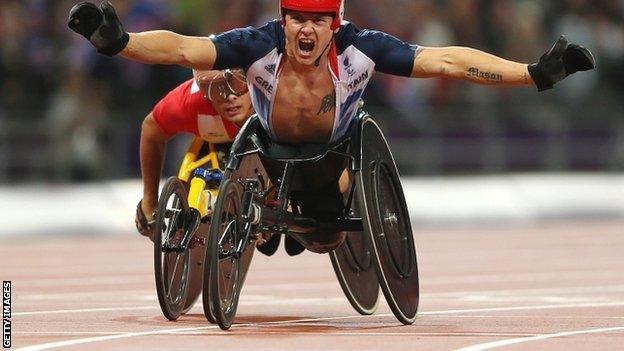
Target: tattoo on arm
(328,103)
(489,76)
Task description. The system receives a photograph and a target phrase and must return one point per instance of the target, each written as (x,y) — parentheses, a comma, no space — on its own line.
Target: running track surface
(554,286)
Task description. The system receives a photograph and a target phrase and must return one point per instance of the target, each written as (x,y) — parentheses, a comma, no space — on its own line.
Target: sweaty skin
(301,112)
(469,64)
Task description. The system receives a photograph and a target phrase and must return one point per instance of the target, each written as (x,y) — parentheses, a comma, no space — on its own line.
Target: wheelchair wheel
(171,267)
(353,265)
(226,271)
(196,268)
(388,225)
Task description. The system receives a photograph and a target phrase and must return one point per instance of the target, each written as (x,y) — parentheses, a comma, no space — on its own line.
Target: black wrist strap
(541,80)
(115,47)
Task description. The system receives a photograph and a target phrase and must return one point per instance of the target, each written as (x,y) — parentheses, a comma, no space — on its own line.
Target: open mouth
(233,111)
(306,46)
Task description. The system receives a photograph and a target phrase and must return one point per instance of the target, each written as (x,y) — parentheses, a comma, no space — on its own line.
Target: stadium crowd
(52,78)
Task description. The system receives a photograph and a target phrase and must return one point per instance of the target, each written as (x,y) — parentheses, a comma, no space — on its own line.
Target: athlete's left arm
(469,64)
(562,60)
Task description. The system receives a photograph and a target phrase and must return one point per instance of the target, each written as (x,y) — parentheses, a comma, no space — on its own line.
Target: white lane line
(99,280)
(325,287)
(500,343)
(522,277)
(254,332)
(69,332)
(288,287)
(353,333)
(278,301)
(251,300)
(514,292)
(261,303)
(85,310)
(524,308)
(72,342)
(528,299)
(92,295)
(52,345)
(439,280)
(534,316)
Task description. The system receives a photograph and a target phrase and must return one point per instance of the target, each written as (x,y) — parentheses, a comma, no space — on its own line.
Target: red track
(556,286)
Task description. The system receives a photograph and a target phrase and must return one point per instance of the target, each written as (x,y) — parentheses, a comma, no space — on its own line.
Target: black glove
(100,25)
(559,62)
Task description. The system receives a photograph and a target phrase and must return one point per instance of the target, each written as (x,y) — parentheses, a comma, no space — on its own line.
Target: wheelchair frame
(294,213)
(188,212)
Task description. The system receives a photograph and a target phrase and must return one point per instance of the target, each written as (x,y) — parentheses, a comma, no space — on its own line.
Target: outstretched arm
(562,60)
(101,26)
(469,64)
(164,47)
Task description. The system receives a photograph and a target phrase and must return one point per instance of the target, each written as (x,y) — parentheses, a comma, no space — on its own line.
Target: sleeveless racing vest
(353,58)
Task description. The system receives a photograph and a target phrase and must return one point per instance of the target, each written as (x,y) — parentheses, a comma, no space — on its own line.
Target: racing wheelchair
(182,220)
(270,188)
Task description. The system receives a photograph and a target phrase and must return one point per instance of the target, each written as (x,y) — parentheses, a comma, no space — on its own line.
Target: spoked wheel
(353,265)
(388,225)
(171,264)
(226,270)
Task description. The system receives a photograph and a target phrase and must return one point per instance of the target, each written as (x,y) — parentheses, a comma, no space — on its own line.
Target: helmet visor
(228,82)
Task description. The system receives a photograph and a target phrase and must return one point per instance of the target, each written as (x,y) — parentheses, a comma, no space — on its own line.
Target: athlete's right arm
(152,151)
(164,47)
(101,26)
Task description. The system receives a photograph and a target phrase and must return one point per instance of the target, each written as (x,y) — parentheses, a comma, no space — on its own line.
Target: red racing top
(185,109)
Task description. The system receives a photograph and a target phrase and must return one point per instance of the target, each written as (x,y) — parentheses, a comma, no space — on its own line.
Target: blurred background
(70,117)
(68,114)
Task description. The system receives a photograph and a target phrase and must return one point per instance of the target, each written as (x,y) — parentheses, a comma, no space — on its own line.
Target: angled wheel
(353,265)
(387,224)
(226,270)
(205,266)
(196,267)
(171,265)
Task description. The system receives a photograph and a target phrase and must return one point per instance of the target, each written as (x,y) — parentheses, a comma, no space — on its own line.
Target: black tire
(227,273)
(196,269)
(387,225)
(206,296)
(171,269)
(206,293)
(353,265)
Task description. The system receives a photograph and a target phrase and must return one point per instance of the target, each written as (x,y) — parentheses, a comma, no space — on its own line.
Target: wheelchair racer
(213,105)
(307,70)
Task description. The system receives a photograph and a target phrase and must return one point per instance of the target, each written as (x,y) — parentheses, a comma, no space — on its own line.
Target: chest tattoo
(328,103)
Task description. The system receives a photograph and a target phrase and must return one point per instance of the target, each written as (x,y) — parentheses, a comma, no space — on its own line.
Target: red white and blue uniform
(185,109)
(353,58)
